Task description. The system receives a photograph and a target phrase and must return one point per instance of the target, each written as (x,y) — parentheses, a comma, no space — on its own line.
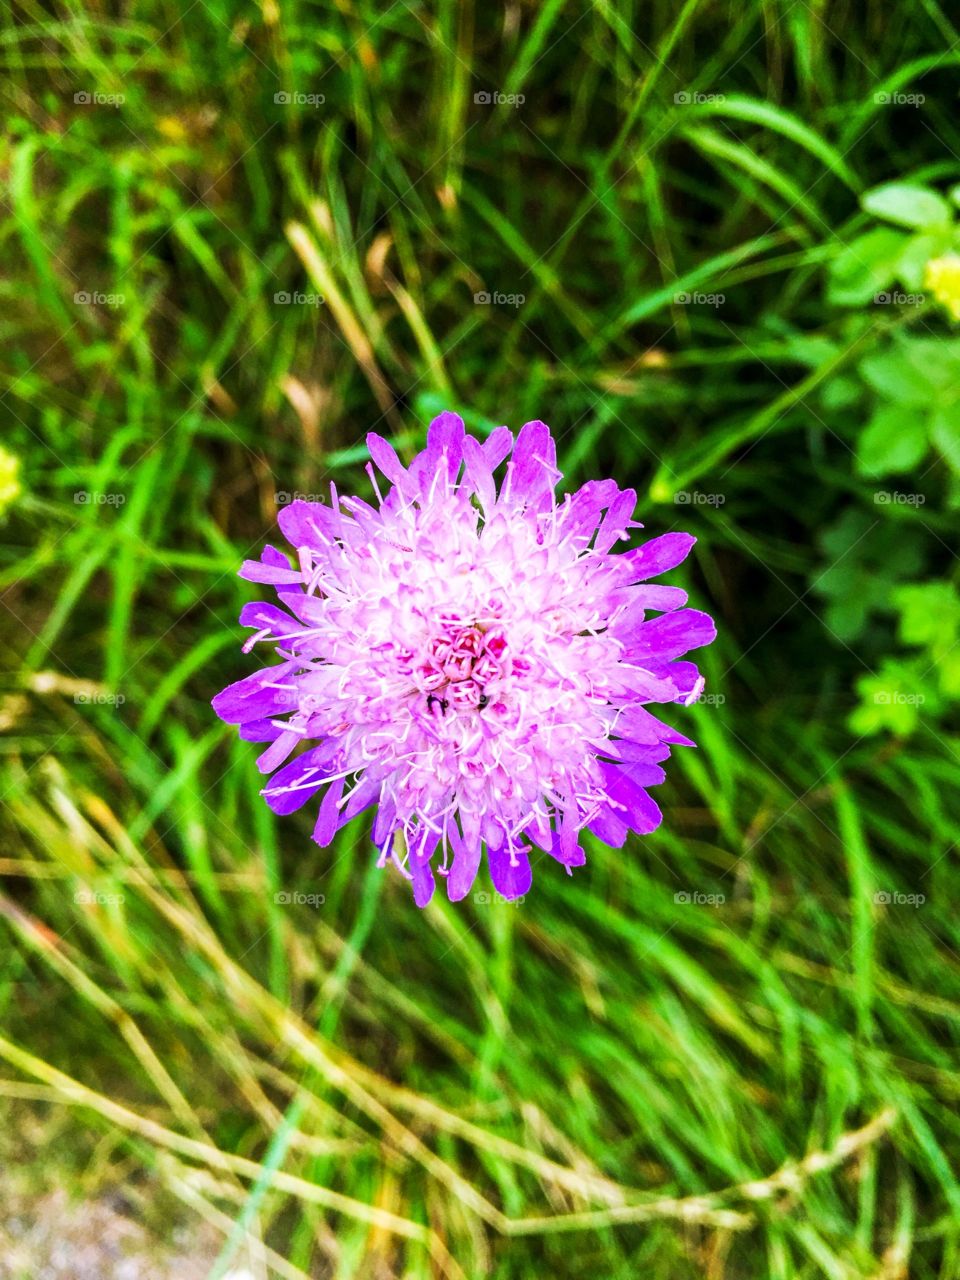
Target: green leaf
(845,619)
(918,251)
(875,715)
(907,205)
(929,612)
(894,376)
(747,161)
(811,350)
(945,433)
(893,699)
(840,393)
(864,561)
(865,267)
(950,674)
(837,539)
(936,361)
(895,439)
(789,126)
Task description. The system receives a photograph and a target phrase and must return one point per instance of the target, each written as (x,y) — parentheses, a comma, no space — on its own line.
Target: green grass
(603,1080)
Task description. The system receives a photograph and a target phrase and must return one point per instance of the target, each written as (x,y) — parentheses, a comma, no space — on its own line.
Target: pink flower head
(470,658)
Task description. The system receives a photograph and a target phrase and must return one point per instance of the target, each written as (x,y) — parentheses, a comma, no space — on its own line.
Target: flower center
(458,666)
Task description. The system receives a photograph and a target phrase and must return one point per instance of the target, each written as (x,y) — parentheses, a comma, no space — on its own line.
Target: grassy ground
(726,1051)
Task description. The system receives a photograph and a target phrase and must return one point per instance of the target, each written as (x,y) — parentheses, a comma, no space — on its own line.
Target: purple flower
(471,659)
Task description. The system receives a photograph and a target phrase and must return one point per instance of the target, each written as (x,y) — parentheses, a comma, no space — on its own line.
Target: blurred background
(713,245)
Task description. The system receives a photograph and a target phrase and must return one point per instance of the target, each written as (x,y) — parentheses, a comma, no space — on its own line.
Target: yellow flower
(942,278)
(9,479)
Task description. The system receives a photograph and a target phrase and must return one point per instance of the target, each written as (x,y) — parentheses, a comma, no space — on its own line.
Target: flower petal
(659,554)
(513,878)
(266,693)
(291,788)
(265,616)
(466,863)
(421,851)
(385,456)
(328,819)
(638,811)
(307,524)
(615,523)
(672,634)
(534,471)
(609,827)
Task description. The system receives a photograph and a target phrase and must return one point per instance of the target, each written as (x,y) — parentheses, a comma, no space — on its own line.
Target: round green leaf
(865,267)
(895,376)
(895,439)
(907,205)
(945,434)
